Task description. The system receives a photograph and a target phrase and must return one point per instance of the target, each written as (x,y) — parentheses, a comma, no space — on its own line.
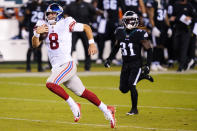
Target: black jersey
(170,7)
(111,7)
(160,12)
(81,12)
(131,5)
(36,12)
(130,43)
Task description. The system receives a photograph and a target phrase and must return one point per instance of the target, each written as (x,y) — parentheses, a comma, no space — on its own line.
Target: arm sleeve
(74,26)
(78,27)
(115,49)
(117,33)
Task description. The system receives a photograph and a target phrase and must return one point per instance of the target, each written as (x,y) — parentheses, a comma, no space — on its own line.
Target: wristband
(36,34)
(91,41)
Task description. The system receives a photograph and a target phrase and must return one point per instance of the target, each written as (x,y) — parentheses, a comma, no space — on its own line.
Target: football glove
(156,32)
(169,32)
(107,63)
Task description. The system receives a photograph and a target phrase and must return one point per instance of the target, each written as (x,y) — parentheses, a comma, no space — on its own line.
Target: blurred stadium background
(169,104)
(15,50)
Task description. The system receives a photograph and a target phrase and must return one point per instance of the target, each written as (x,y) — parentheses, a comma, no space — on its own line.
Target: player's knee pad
(75,85)
(78,93)
(123,89)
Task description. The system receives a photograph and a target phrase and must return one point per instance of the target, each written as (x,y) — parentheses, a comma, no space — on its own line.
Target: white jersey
(59,40)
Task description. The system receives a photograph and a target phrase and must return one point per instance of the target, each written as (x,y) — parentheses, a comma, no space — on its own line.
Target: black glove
(107,63)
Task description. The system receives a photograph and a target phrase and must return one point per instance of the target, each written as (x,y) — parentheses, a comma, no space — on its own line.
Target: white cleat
(111,115)
(77,112)
(190,64)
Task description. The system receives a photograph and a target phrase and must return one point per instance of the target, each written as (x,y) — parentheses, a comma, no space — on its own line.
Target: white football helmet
(130,20)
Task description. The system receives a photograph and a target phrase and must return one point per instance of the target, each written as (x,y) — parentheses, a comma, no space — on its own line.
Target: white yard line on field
(107,88)
(22,84)
(54,101)
(91,124)
(113,73)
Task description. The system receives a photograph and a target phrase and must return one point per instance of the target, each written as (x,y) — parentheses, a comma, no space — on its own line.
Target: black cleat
(150,78)
(132,112)
(147,77)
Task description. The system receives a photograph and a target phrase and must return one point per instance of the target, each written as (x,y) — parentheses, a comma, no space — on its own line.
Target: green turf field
(170,104)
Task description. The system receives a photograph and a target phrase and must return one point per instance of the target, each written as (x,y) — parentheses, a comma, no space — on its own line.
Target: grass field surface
(169,104)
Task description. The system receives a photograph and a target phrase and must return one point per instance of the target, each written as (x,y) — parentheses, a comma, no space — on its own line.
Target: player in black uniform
(108,24)
(169,43)
(160,31)
(20,22)
(193,40)
(183,15)
(134,5)
(34,11)
(131,40)
(82,12)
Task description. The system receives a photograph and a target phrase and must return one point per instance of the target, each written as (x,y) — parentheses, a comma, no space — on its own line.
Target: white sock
(71,102)
(103,107)
(106,112)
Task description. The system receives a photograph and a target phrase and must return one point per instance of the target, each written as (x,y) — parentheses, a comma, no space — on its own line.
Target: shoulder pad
(118,29)
(69,19)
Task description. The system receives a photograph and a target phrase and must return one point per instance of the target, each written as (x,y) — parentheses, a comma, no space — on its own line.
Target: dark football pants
(108,35)
(169,45)
(83,37)
(192,47)
(181,45)
(128,80)
(159,44)
(128,77)
(36,51)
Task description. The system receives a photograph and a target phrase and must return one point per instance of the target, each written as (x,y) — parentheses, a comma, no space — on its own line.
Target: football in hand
(43,36)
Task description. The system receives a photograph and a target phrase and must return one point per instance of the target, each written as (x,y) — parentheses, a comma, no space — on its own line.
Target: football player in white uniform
(59,31)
